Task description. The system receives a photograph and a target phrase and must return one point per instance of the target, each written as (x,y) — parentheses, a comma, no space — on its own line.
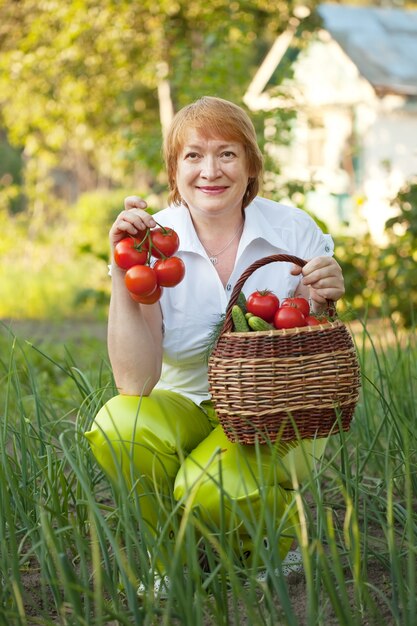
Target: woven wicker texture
(274,384)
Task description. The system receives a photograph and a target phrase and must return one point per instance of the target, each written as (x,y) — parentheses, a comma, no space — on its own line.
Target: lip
(213,190)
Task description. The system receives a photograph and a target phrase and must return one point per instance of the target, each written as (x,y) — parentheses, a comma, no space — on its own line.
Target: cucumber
(239,320)
(257,323)
(241,301)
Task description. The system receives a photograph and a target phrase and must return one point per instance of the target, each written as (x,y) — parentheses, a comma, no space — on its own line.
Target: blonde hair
(213,117)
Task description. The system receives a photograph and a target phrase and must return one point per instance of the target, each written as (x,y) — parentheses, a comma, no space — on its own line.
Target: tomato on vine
(170,271)
(150,299)
(133,254)
(164,242)
(131,251)
(141,280)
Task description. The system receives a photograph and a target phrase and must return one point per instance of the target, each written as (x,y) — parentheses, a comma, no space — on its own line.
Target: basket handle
(286,258)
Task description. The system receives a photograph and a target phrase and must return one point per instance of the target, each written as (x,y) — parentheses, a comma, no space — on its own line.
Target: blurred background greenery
(81,87)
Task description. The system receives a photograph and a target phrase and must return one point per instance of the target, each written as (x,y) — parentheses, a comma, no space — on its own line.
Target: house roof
(382,42)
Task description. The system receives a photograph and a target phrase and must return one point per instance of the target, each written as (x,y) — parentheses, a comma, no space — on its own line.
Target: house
(354,90)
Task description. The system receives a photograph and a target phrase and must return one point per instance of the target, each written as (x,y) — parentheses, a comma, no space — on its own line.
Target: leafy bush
(400,256)
(382,281)
(91,218)
(62,270)
(360,262)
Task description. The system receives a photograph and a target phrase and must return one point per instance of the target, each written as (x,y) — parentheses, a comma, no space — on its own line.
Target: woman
(162,426)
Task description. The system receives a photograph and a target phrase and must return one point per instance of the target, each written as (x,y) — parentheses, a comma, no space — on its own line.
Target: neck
(223,246)
(217,230)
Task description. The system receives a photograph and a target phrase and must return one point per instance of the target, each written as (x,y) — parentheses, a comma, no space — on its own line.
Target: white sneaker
(161,587)
(293,562)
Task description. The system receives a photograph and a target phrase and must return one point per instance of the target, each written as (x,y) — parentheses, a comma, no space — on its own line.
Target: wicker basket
(283,383)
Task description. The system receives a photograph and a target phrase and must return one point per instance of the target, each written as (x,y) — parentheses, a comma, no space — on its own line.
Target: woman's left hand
(323,276)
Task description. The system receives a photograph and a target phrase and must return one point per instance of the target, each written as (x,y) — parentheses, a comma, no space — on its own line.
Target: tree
(84,85)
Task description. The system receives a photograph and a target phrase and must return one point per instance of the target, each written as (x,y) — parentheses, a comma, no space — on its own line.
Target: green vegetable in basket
(241,301)
(239,321)
(257,323)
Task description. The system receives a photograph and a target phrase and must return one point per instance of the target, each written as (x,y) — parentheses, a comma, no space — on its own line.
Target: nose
(210,168)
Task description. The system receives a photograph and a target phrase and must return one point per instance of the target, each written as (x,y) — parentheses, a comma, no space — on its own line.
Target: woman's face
(212,174)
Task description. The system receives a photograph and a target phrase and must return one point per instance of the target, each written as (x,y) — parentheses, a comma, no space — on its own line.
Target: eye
(228,154)
(191,156)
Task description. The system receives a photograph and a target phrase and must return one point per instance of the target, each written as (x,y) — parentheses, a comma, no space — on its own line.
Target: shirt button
(228,287)
(327,248)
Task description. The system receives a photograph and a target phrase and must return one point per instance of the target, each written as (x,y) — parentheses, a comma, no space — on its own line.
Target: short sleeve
(318,244)
(328,245)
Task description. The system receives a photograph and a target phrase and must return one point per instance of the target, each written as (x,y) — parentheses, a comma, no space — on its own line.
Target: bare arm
(134,330)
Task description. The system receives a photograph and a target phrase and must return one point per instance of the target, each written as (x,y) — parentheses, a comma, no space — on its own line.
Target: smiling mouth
(212,189)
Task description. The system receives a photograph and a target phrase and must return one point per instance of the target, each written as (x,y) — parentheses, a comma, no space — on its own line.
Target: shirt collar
(256,226)
(189,242)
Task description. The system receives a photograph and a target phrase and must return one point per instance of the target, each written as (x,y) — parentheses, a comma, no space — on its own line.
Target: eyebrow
(220,147)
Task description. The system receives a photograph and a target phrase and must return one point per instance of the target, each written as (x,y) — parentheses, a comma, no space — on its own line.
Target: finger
(127,226)
(137,217)
(316,297)
(330,292)
(134,202)
(315,274)
(322,279)
(320,263)
(296,270)
(132,222)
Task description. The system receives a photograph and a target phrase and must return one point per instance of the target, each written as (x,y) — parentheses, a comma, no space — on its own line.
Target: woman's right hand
(131,220)
(134,330)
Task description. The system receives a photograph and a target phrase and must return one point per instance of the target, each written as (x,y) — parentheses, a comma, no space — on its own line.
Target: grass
(73,551)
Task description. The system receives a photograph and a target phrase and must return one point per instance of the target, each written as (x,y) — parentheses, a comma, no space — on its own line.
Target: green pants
(166,441)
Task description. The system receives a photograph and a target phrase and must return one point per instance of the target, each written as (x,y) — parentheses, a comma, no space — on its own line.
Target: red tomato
(298,303)
(289,317)
(312,320)
(263,304)
(151,299)
(141,280)
(165,242)
(169,272)
(130,251)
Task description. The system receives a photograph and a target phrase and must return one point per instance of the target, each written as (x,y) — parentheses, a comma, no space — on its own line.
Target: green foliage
(75,550)
(359,258)
(400,256)
(382,280)
(79,99)
(406,203)
(82,78)
(11,198)
(41,273)
(90,219)
(61,271)
(44,281)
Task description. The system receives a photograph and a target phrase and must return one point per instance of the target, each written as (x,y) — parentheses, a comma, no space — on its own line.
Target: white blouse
(192,308)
